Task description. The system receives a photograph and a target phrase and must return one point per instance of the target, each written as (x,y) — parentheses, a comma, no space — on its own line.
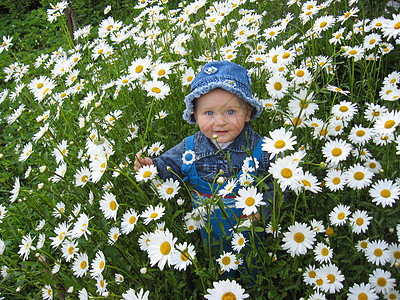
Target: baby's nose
(220,119)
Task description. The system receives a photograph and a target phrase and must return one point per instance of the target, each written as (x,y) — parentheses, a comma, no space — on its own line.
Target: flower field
(76,220)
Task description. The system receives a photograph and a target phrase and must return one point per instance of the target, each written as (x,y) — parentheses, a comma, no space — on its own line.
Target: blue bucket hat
(225,75)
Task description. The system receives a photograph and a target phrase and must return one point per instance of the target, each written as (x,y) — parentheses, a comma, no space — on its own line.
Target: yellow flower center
(331,278)
(336,152)
(113,205)
(362,296)
(358,175)
(397,25)
(132,220)
(278,86)
(385,193)
(39,85)
(184,256)
(336,180)
(360,221)
(299,237)
(300,73)
(378,252)
(325,252)
(364,245)
(360,133)
(241,241)
(338,36)
(61,236)
(109,27)
(323,24)
(353,52)
(170,190)
(189,79)
(372,41)
(312,274)
(341,215)
(156,90)
(275,59)
(83,265)
(100,51)
(389,124)
(139,69)
(228,296)
(115,236)
(165,248)
(343,108)
(286,173)
(347,15)
(226,260)
(306,183)
(280,144)
(250,201)
(396,254)
(286,55)
(153,215)
(381,281)
(147,174)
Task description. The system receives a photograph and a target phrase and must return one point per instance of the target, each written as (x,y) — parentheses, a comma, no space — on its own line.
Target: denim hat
(225,75)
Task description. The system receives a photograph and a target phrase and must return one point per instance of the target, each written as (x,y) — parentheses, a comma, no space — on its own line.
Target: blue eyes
(229,112)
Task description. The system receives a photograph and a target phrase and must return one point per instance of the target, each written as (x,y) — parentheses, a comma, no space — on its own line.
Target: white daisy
(161,247)
(298,239)
(226,289)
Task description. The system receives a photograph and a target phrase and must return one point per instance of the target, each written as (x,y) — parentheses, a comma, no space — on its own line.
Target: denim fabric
(209,159)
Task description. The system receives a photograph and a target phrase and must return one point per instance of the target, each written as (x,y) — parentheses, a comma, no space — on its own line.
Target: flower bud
(180,201)
(40,185)
(42,169)
(397,264)
(300,270)
(70,290)
(391,230)
(220,180)
(322,164)
(1,155)
(143,270)
(215,136)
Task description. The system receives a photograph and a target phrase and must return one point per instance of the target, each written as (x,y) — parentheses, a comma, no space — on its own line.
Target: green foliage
(109,120)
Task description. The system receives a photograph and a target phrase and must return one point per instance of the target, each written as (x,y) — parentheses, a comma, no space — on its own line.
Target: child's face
(221,113)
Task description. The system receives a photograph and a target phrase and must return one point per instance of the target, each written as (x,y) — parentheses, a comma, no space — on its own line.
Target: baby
(221,104)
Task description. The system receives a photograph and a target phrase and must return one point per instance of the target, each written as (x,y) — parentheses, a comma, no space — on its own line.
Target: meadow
(77,221)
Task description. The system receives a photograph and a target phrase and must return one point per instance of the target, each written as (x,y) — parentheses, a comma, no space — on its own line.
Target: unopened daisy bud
(220,180)
(40,185)
(71,142)
(397,264)
(97,104)
(329,231)
(20,230)
(221,172)
(143,270)
(106,294)
(37,254)
(391,230)
(70,290)
(18,289)
(168,168)
(81,121)
(300,270)
(381,171)
(20,200)
(42,169)
(343,48)
(215,136)
(322,164)
(180,201)
(1,155)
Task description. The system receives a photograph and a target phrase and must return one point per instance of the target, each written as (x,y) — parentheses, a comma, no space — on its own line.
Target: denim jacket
(210,160)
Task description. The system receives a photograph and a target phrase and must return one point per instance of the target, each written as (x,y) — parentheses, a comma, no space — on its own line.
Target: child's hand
(141,161)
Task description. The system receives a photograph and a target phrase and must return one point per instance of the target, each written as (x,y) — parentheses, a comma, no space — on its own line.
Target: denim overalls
(203,192)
